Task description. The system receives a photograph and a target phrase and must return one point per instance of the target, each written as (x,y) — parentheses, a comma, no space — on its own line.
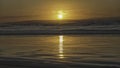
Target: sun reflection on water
(61,50)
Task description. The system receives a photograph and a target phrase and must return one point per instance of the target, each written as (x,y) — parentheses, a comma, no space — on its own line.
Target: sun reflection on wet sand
(61,50)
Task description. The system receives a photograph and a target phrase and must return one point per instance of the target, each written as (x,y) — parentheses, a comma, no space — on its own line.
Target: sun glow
(60,14)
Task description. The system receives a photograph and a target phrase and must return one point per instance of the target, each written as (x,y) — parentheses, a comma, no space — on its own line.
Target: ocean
(68,51)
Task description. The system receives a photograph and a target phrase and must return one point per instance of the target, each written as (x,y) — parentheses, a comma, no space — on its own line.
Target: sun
(60,15)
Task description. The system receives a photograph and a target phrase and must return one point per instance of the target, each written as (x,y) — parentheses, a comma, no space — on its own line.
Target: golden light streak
(61,50)
(61,39)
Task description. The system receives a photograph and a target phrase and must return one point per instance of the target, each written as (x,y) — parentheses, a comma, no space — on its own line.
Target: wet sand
(32,63)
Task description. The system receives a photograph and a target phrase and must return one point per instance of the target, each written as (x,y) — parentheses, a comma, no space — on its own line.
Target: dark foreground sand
(6,62)
(28,63)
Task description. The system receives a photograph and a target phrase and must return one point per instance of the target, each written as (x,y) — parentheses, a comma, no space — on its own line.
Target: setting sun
(60,14)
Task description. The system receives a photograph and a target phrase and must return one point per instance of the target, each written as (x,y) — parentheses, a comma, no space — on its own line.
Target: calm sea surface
(70,49)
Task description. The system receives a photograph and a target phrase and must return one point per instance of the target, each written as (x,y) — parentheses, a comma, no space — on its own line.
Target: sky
(15,10)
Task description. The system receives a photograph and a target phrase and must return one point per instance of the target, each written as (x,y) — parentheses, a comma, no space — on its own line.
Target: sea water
(87,51)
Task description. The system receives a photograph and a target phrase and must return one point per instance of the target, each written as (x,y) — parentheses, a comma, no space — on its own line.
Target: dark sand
(33,63)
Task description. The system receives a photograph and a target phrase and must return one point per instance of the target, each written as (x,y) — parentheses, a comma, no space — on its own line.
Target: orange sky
(11,10)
